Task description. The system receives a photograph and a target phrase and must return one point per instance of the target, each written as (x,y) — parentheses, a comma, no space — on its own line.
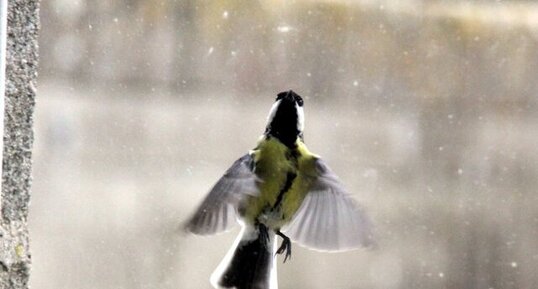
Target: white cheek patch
(300,117)
(272,112)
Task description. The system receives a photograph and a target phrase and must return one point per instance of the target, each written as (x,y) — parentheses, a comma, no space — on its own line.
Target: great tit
(278,188)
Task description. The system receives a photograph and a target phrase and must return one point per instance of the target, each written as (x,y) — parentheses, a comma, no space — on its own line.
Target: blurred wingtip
(184,229)
(187,228)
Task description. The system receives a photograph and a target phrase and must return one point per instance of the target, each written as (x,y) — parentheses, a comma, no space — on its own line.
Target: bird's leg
(285,246)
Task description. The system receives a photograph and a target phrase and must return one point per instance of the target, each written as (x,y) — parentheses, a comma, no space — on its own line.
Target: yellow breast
(283,172)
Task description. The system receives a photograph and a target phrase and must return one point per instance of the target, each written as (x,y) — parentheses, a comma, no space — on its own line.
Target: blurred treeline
(383,51)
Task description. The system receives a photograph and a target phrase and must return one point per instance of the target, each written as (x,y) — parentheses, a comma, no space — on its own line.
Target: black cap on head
(290,94)
(286,119)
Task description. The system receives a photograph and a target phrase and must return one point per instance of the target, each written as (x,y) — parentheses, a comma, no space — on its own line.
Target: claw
(285,246)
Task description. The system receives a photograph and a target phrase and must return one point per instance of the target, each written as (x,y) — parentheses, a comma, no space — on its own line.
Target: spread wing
(217,212)
(329,219)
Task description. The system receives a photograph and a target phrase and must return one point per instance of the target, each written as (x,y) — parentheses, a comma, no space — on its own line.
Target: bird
(279,188)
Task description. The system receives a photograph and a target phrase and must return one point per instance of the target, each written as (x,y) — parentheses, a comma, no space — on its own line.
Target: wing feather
(217,212)
(328,218)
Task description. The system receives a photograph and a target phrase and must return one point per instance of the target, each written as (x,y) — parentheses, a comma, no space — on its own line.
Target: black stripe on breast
(289,181)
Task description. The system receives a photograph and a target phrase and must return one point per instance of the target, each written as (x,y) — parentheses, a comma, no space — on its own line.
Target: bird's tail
(250,263)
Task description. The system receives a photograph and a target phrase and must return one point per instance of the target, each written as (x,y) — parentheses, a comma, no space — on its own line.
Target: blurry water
(114,177)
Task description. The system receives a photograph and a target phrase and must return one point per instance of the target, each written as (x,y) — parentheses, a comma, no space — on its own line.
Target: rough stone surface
(21,73)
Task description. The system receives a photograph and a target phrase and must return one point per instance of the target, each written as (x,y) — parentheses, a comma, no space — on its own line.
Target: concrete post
(21,73)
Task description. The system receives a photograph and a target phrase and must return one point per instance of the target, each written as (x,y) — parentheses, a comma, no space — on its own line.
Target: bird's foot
(285,246)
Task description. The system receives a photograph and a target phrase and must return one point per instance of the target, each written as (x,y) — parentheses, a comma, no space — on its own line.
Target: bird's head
(286,118)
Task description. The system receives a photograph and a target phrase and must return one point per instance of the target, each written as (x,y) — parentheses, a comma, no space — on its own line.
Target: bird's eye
(299,100)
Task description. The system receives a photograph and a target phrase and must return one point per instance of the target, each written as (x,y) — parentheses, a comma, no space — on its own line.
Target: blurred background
(427,110)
